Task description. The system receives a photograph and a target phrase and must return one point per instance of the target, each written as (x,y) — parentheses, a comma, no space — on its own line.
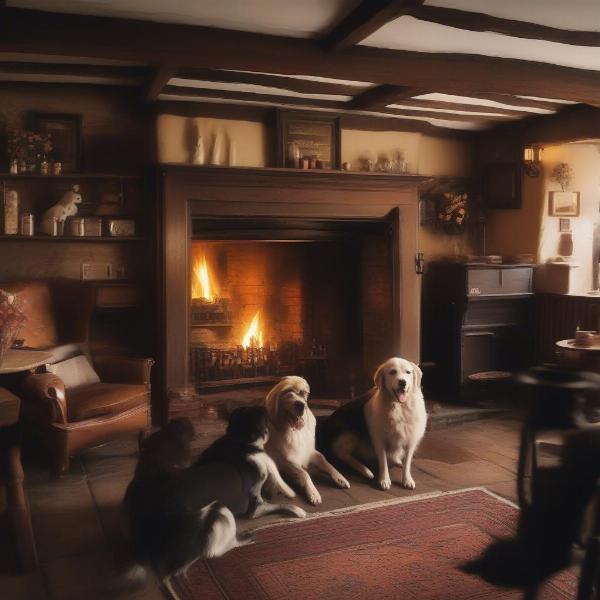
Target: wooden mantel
(304,178)
(211,192)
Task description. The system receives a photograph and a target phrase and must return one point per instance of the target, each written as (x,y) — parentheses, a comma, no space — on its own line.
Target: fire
(202,287)
(254,336)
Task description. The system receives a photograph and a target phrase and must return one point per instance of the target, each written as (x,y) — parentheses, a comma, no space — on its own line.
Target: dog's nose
(401,384)
(299,407)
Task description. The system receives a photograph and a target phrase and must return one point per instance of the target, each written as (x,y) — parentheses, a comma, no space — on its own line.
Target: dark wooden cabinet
(476,318)
(502,185)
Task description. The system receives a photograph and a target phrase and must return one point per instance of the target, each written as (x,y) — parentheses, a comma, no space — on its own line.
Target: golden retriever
(387,425)
(291,441)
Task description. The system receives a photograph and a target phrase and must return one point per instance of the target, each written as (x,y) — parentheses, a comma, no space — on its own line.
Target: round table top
(15,361)
(570,345)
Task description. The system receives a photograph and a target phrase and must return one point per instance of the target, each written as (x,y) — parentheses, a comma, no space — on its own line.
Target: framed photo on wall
(65,130)
(314,137)
(563,204)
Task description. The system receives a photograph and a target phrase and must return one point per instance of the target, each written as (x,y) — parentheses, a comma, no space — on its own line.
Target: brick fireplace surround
(224,192)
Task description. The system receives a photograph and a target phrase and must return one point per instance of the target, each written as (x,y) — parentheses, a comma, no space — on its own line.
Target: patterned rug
(405,549)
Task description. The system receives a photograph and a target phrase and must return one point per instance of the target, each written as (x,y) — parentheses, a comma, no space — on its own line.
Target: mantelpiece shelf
(66,176)
(70,238)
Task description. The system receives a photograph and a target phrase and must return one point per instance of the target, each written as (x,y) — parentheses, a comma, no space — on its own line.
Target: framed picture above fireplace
(307,140)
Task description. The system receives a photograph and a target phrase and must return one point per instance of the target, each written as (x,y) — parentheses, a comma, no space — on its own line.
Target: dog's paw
(245,538)
(288,492)
(296,511)
(314,497)
(368,474)
(408,482)
(341,481)
(385,484)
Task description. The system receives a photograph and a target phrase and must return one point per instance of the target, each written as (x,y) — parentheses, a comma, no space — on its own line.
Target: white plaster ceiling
(451,99)
(408,33)
(292,18)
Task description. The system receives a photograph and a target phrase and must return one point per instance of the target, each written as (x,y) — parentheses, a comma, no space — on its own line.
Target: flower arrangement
(452,212)
(11,321)
(562,174)
(28,148)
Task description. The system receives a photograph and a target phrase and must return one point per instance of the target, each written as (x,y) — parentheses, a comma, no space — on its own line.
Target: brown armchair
(68,419)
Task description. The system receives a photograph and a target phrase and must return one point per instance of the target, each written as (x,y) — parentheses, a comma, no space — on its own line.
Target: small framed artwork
(307,140)
(563,204)
(564,225)
(65,131)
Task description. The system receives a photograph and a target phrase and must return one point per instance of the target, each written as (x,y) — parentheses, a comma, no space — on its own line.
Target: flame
(202,287)
(254,336)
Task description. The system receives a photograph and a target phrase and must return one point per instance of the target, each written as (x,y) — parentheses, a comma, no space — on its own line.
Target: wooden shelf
(67,176)
(69,238)
(211,325)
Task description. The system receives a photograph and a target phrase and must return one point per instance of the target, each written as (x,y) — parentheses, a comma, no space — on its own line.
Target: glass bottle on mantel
(293,155)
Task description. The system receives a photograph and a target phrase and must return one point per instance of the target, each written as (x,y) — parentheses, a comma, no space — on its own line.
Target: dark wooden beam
(193,92)
(382,95)
(365,19)
(302,86)
(465,107)
(157,81)
(72,70)
(29,32)
(515,101)
(476,21)
(263,114)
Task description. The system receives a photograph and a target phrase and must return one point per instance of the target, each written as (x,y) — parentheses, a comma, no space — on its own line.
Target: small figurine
(66,207)
(14,166)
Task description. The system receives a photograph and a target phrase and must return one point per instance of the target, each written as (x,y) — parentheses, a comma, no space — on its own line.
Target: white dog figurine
(292,436)
(66,207)
(387,424)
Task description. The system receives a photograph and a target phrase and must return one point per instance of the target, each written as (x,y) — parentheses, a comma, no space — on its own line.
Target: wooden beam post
(157,81)
(382,95)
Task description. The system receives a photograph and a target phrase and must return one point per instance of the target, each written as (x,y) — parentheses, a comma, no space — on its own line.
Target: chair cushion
(104,399)
(39,330)
(75,372)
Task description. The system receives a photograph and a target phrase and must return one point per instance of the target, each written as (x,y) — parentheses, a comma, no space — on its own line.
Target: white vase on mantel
(198,158)
(215,153)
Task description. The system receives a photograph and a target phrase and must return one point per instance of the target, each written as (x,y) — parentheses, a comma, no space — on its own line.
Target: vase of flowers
(452,212)
(28,149)
(11,321)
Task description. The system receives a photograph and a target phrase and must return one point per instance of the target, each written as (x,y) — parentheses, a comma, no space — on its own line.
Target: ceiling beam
(439,104)
(263,114)
(157,81)
(365,19)
(334,105)
(476,21)
(382,95)
(302,86)
(72,70)
(25,31)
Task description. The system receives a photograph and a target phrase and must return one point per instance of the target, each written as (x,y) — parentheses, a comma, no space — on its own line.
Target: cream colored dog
(291,441)
(387,424)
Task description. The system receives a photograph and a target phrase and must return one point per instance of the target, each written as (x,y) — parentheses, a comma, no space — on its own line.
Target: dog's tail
(134,578)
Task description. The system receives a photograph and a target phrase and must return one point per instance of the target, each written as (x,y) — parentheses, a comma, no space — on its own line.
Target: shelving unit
(71,238)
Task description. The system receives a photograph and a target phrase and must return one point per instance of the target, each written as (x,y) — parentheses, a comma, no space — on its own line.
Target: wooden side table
(11,475)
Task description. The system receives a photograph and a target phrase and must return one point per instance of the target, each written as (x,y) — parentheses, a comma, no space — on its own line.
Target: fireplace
(297,296)
(306,273)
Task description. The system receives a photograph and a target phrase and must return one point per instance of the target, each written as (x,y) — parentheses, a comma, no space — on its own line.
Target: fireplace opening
(268,299)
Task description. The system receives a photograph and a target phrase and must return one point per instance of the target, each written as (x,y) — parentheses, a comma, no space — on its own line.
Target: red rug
(404,550)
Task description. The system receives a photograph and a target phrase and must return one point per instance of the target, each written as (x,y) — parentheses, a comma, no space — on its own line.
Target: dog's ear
(418,375)
(378,377)
(272,402)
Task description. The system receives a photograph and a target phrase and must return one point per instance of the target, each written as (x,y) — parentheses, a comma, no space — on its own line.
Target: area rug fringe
(362,507)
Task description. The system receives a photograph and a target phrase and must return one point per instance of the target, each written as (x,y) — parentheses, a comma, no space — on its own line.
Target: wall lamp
(532,160)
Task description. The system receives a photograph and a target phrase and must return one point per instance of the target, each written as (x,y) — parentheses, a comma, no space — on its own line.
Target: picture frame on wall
(307,140)
(563,204)
(65,130)
(564,225)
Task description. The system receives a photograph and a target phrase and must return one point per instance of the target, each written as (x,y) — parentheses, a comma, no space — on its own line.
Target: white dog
(387,424)
(65,207)
(292,436)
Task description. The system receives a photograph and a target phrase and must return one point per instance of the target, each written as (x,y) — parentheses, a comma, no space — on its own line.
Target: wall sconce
(532,160)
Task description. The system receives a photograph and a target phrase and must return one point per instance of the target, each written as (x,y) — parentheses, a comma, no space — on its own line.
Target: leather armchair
(68,420)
